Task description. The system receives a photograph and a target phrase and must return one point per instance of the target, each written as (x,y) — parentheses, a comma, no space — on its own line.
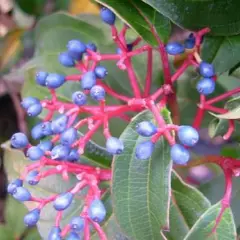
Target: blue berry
(206,86)
(37,131)
(46,128)
(175,48)
(76,48)
(14,185)
(60,152)
(45,145)
(107,16)
(146,129)
(188,136)
(41,78)
(101,72)
(59,124)
(79,98)
(206,70)
(144,150)
(97,211)
(88,80)
(34,153)
(179,154)
(32,217)
(22,194)
(73,236)
(92,47)
(63,201)
(77,224)
(189,43)
(66,60)
(29,101)
(97,93)
(68,137)
(19,140)
(73,156)
(114,145)
(55,234)
(34,110)
(54,80)
(31,177)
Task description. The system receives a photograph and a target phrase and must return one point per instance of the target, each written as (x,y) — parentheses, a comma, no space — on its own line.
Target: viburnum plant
(62,143)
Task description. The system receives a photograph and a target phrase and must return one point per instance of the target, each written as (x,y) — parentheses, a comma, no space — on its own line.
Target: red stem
(148,81)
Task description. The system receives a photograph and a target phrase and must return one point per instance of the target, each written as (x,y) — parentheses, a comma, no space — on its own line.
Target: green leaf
(220,16)
(32,7)
(132,12)
(203,227)
(141,189)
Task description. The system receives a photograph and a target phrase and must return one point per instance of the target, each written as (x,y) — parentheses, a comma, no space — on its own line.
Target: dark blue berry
(77,224)
(63,201)
(107,16)
(41,78)
(144,150)
(79,98)
(32,217)
(22,194)
(59,124)
(55,234)
(189,43)
(179,154)
(31,177)
(37,131)
(29,101)
(69,136)
(54,80)
(88,80)
(73,156)
(146,129)
(34,110)
(97,211)
(97,93)
(92,47)
(66,60)
(35,153)
(14,185)
(73,236)
(114,145)
(19,140)
(46,128)
(206,70)
(60,152)
(45,145)
(101,72)
(188,136)
(206,86)
(76,48)
(175,48)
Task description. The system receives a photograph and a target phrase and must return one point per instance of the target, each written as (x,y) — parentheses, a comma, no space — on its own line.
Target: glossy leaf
(132,12)
(220,16)
(141,188)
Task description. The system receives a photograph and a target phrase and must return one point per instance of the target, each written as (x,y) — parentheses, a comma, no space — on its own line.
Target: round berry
(22,194)
(189,43)
(144,150)
(76,48)
(73,236)
(55,234)
(114,145)
(32,217)
(107,16)
(66,60)
(179,154)
(35,153)
(60,152)
(41,78)
(77,224)
(37,131)
(46,128)
(29,101)
(92,47)
(188,136)
(97,211)
(63,201)
(73,156)
(14,185)
(97,93)
(34,110)
(88,80)
(54,80)
(206,86)
(45,145)
(175,48)
(31,177)
(79,98)
(206,70)
(101,72)
(146,129)
(59,124)
(19,140)
(69,136)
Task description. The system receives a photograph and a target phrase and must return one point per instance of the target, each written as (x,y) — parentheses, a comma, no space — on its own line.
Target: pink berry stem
(99,230)
(215,109)
(148,81)
(58,218)
(180,70)
(75,77)
(65,230)
(116,39)
(136,41)
(86,229)
(139,51)
(230,131)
